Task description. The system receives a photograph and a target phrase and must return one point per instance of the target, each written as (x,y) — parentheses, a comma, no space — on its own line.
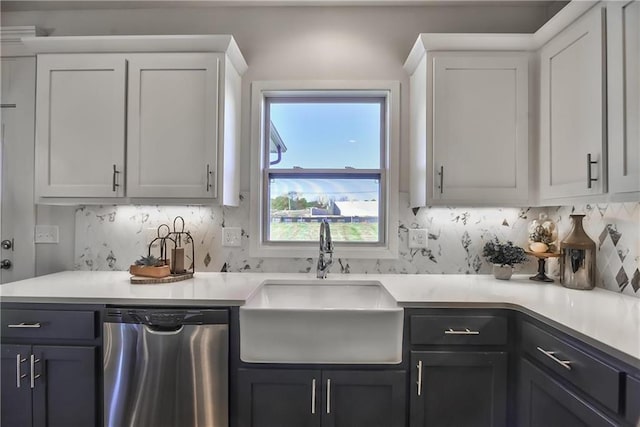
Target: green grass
(340,232)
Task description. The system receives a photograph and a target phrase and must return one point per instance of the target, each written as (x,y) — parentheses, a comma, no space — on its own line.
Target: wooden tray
(139,280)
(152,272)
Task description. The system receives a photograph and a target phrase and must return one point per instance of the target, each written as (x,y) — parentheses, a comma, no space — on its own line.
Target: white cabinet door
(172,127)
(480,128)
(572,110)
(80,120)
(623,75)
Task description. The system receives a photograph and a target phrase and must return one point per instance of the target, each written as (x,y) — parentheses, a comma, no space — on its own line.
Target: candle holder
(542,259)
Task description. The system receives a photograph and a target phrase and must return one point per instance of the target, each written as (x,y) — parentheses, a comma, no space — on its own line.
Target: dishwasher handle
(163,330)
(166,319)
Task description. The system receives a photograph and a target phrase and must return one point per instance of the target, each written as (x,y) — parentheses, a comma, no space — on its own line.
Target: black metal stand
(542,259)
(541,276)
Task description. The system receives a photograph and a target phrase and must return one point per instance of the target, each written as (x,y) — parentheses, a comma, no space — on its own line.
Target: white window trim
(385,88)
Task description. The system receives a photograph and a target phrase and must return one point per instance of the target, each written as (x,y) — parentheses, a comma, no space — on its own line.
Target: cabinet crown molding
(139,44)
(429,42)
(11,39)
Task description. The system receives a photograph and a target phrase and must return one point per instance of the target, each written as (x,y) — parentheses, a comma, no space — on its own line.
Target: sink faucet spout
(326,249)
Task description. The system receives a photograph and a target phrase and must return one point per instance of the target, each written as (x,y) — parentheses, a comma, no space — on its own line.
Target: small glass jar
(578,257)
(543,235)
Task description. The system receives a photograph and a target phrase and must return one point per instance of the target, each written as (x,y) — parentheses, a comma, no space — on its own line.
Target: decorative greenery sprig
(503,253)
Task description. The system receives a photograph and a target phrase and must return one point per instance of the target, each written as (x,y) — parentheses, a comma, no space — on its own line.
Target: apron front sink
(321,321)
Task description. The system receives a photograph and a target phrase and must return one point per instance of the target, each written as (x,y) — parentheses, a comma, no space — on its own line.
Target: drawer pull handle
(313,396)
(551,355)
(328,396)
(419,382)
(466,331)
(33,370)
(25,325)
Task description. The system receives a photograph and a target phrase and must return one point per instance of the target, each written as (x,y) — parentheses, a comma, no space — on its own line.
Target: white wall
(51,258)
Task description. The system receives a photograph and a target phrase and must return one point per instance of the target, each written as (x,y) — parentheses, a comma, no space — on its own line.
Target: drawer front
(587,373)
(458,330)
(56,324)
(632,412)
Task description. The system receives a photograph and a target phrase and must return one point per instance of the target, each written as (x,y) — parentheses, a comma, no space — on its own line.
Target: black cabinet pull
(114,181)
(589,163)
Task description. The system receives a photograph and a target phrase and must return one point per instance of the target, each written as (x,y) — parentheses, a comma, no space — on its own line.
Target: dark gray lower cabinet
(364,399)
(15,397)
(278,398)
(60,390)
(545,402)
(327,398)
(633,401)
(458,388)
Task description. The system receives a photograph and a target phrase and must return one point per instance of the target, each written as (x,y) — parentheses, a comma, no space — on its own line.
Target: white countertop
(608,320)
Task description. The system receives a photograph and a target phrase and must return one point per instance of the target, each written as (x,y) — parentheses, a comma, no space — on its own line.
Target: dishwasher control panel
(168,317)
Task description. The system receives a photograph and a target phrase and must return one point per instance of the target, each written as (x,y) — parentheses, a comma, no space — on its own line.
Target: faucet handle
(326,244)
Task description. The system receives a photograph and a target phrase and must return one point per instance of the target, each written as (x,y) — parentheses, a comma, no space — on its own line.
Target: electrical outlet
(231,236)
(46,234)
(418,238)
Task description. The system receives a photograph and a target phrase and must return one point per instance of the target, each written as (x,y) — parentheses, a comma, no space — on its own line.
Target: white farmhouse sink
(321,321)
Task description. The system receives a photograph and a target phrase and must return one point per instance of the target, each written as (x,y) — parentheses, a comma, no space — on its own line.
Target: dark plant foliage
(150,261)
(503,253)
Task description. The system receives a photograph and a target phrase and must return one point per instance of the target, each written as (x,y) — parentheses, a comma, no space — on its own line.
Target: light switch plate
(418,238)
(46,234)
(231,236)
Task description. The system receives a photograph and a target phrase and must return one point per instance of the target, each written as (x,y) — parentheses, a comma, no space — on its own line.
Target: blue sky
(328,135)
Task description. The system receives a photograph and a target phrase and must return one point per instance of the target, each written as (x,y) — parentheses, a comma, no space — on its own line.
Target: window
(324,153)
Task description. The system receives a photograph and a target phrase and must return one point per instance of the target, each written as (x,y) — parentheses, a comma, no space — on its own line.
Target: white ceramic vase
(502,272)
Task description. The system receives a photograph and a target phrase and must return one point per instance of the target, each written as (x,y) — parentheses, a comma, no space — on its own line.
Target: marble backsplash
(615,227)
(112,237)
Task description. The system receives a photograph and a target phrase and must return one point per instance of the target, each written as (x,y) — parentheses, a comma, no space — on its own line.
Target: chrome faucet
(326,248)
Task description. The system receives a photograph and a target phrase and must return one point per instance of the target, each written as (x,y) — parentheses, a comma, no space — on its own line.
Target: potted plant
(150,266)
(503,256)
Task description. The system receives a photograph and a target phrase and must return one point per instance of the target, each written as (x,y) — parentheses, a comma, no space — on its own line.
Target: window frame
(387,92)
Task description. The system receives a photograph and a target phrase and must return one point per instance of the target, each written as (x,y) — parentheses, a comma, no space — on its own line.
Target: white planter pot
(502,272)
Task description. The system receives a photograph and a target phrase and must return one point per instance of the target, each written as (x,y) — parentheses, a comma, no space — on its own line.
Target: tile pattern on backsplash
(615,227)
(112,237)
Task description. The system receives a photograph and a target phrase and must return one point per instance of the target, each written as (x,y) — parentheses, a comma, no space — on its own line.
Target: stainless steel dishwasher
(166,367)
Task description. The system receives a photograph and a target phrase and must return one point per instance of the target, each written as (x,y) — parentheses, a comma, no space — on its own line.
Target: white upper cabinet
(573,111)
(481,105)
(146,117)
(469,130)
(623,75)
(80,126)
(172,132)
(480,128)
